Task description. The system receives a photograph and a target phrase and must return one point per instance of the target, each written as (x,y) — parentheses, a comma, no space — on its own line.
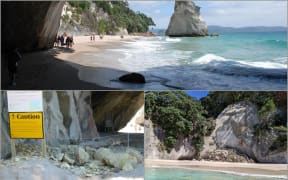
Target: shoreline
(100,64)
(242,169)
(62,68)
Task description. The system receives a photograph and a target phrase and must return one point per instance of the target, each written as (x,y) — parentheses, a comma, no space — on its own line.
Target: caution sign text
(26,125)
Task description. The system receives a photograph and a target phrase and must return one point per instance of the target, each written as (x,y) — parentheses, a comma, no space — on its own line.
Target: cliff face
(102,17)
(236,138)
(186,20)
(5,147)
(30,25)
(119,107)
(236,129)
(155,149)
(70,116)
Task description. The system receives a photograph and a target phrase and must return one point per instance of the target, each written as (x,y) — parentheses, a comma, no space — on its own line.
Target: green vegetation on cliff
(124,17)
(119,16)
(178,115)
(181,117)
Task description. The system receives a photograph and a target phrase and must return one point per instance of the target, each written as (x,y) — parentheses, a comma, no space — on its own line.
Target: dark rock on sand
(133,78)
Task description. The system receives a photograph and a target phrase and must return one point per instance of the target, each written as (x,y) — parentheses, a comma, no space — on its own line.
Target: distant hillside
(219,29)
(158,32)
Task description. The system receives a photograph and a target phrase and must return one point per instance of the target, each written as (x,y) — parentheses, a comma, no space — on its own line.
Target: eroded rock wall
(68,118)
(186,20)
(5,149)
(72,116)
(30,25)
(118,106)
(155,149)
(236,130)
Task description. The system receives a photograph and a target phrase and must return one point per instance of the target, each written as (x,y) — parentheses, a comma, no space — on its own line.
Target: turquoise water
(184,174)
(231,61)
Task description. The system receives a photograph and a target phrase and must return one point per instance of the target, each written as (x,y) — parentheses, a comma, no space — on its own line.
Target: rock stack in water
(186,21)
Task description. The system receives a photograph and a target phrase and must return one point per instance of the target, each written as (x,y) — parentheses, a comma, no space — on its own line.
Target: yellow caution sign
(26,125)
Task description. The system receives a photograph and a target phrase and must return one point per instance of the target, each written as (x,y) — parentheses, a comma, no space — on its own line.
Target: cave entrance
(118,114)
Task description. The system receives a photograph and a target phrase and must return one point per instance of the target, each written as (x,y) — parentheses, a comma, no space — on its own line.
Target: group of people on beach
(64,40)
(92,38)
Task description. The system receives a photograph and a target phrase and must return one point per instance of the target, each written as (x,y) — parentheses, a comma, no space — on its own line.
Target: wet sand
(62,68)
(245,168)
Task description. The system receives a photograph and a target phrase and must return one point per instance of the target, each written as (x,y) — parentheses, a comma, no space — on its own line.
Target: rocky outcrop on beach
(30,25)
(226,155)
(155,149)
(236,129)
(186,21)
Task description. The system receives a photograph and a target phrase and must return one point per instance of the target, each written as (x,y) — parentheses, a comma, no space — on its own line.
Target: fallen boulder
(126,161)
(82,157)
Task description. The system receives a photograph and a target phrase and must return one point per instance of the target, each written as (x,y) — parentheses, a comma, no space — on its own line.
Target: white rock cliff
(236,127)
(186,21)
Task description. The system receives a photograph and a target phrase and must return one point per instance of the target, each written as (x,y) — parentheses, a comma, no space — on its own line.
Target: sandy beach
(245,168)
(63,68)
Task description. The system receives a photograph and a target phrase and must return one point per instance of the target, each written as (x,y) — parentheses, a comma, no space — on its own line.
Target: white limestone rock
(186,21)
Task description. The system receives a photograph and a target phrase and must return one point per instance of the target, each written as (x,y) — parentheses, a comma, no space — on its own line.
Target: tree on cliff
(178,115)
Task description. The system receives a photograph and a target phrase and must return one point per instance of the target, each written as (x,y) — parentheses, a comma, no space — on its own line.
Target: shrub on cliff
(178,115)
(122,16)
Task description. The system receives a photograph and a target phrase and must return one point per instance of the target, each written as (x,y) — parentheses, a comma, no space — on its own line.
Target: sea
(187,174)
(231,61)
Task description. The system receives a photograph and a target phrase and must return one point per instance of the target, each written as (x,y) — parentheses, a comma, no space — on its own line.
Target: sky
(221,13)
(197,94)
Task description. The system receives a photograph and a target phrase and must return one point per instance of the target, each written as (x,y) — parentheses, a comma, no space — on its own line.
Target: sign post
(26,117)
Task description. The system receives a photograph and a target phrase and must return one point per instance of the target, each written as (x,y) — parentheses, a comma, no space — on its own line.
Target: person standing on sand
(62,40)
(91,38)
(71,41)
(68,42)
(13,58)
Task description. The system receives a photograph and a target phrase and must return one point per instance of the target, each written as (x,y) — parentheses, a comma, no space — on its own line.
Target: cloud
(236,13)
(222,13)
(145,4)
(157,11)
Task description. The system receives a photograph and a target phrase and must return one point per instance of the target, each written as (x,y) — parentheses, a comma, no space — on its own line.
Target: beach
(227,167)
(166,63)
(62,68)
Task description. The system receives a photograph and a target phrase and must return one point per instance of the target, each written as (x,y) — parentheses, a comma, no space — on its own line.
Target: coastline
(94,64)
(242,169)
(63,68)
